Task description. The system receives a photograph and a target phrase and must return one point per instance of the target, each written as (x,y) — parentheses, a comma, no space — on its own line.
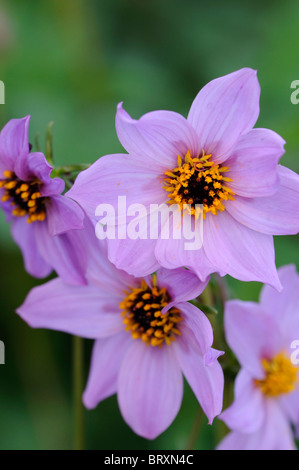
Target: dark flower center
(142,312)
(25,197)
(198,181)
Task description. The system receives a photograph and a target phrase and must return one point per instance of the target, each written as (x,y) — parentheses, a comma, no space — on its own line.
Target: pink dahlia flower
(147,337)
(214,158)
(265,339)
(44,223)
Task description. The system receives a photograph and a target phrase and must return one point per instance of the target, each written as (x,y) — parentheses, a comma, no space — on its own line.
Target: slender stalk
(193,436)
(49,144)
(78,384)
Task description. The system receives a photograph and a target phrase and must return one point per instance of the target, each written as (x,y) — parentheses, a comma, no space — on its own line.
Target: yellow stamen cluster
(280,378)
(142,312)
(198,181)
(25,197)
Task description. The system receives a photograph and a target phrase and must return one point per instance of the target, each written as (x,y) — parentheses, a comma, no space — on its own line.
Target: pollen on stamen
(25,197)
(198,181)
(142,311)
(281,376)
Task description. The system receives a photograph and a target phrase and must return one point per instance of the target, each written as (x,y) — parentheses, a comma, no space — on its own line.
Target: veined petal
(107,356)
(24,236)
(66,253)
(253,165)
(239,251)
(283,306)
(63,214)
(275,215)
(157,138)
(252,334)
(78,310)
(223,110)
(150,389)
(116,175)
(196,328)
(182,284)
(275,434)
(14,145)
(206,381)
(247,412)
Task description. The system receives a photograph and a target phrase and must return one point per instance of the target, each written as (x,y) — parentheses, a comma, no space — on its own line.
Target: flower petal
(102,184)
(79,310)
(150,389)
(225,109)
(176,250)
(66,253)
(275,215)
(247,412)
(239,251)
(157,138)
(275,434)
(14,145)
(252,334)
(206,380)
(63,214)
(282,306)
(253,166)
(107,356)
(196,327)
(137,257)
(182,284)
(24,236)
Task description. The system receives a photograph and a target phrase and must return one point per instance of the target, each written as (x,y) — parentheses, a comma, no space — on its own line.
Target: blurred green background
(72,61)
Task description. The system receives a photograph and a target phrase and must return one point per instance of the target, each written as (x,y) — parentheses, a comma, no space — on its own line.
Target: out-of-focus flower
(214,158)
(45,224)
(263,337)
(147,336)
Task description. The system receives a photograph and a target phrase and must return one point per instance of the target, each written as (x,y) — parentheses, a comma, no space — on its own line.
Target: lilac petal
(102,184)
(24,236)
(206,381)
(225,109)
(253,166)
(252,334)
(282,306)
(247,412)
(196,327)
(290,405)
(79,310)
(239,251)
(99,269)
(150,389)
(275,215)
(37,167)
(275,434)
(107,356)
(157,138)
(134,256)
(63,214)
(14,145)
(172,254)
(182,284)
(65,253)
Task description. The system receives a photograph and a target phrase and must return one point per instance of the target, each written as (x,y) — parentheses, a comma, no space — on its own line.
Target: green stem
(49,144)
(192,439)
(78,384)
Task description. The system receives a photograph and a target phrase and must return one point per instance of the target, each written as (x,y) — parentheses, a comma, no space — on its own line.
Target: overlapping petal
(79,310)
(150,389)
(223,110)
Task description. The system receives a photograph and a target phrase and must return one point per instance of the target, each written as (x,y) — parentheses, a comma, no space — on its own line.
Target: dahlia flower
(265,339)
(147,337)
(214,158)
(44,223)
